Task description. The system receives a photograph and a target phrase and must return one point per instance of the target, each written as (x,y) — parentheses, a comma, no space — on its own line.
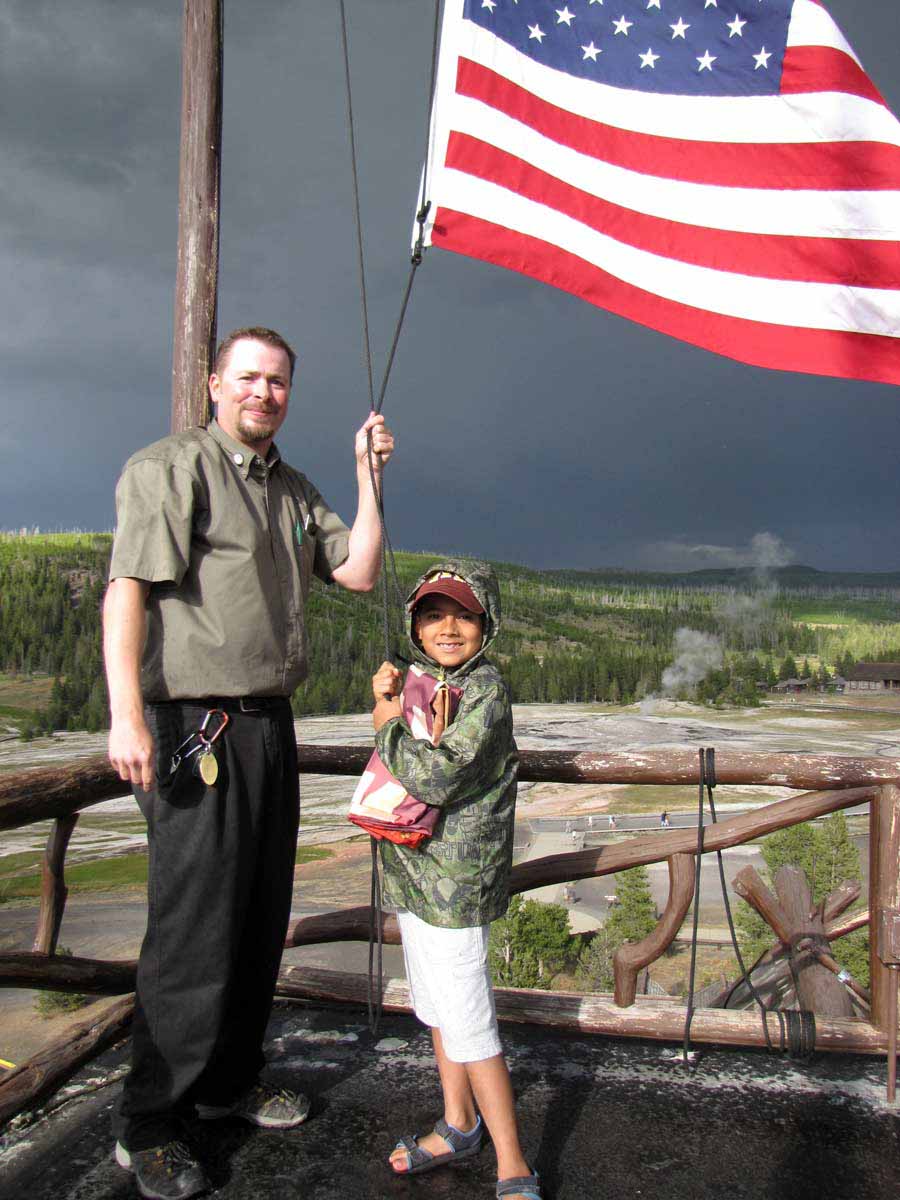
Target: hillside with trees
(594,636)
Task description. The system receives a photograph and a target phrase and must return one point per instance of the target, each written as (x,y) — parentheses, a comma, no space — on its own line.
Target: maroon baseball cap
(453,586)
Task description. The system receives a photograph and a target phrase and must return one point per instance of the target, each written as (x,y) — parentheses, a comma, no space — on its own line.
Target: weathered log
(655,847)
(40,794)
(35,1080)
(196,278)
(650,1017)
(67,973)
(818,990)
(800,929)
(749,886)
(631,958)
(845,977)
(343,925)
(840,900)
(884,894)
(823,772)
(837,929)
(43,793)
(840,929)
(53,885)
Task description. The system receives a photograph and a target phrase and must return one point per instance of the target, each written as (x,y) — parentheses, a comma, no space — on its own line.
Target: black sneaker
(168,1172)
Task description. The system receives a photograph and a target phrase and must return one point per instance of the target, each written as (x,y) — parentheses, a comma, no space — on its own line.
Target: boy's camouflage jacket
(459,877)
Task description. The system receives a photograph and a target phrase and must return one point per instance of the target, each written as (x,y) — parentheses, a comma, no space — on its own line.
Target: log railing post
(631,958)
(53,885)
(884,894)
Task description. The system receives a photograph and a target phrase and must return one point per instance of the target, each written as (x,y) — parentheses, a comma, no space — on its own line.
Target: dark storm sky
(531,426)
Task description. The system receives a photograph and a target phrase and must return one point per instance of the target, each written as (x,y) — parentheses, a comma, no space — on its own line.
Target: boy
(449,889)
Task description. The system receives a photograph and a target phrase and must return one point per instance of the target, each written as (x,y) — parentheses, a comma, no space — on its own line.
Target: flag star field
(658,46)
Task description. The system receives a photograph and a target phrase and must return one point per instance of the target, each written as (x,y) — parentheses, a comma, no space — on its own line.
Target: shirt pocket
(304,534)
(306,554)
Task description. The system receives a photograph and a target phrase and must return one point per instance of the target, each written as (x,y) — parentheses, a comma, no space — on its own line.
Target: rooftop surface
(600,1118)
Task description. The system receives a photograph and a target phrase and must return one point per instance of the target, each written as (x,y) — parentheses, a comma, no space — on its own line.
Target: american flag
(721,170)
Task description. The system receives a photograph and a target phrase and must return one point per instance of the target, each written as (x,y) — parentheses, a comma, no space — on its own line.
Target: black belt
(234,704)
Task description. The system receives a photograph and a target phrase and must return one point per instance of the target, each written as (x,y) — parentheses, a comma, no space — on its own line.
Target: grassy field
(845,611)
(21,693)
(48,545)
(123,873)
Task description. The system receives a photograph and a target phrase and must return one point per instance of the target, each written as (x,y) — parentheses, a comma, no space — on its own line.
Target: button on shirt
(228,543)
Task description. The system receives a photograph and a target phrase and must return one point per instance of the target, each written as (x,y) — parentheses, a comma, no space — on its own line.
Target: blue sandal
(462,1145)
(520,1185)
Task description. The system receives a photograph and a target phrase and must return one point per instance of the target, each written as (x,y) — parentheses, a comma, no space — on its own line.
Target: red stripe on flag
(824,166)
(781,347)
(847,261)
(825,69)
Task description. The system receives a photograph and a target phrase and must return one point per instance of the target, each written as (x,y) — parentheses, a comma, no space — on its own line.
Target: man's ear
(215,386)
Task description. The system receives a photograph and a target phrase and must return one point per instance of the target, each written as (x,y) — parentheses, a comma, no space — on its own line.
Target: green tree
(788,668)
(595,963)
(530,944)
(837,858)
(635,914)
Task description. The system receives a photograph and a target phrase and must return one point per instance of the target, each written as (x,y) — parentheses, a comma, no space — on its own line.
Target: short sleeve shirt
(229,544)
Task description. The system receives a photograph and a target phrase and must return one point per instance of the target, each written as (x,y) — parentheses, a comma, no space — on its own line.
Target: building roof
(874,672)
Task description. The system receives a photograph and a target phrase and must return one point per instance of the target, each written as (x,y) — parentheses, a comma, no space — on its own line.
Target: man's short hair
(253,333)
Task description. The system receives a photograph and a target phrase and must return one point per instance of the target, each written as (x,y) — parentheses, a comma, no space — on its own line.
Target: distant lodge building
(874,677)
(794,687)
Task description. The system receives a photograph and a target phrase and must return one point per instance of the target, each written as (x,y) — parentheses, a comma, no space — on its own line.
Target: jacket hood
(481,579)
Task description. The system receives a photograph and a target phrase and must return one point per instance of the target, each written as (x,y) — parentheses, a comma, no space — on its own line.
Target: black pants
(219,898)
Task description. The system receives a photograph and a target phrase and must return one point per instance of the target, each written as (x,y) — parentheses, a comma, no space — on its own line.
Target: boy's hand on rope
(382,442)
(386,682)
(386,687)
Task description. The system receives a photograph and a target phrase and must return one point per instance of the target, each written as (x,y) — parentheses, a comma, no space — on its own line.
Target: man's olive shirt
(228,543)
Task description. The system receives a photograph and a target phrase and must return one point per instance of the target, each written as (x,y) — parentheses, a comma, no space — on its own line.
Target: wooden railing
(837,782)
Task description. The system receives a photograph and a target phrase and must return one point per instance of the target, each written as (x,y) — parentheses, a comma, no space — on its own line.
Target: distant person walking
(613,823)
(664,820)
(205,640)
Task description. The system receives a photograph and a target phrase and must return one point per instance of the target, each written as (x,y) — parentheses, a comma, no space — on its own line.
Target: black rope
(374,1003)
(797,1029)
(698,863)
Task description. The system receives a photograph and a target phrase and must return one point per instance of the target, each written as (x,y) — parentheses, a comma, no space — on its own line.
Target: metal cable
(361,261)
(387,550)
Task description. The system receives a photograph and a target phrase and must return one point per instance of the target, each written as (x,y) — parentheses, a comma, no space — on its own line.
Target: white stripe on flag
(859,214)
(812,26)
(804,305)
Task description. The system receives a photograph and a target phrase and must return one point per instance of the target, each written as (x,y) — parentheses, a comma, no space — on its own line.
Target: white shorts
(450,986)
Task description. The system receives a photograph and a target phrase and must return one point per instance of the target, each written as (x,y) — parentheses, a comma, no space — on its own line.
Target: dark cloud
(532,427)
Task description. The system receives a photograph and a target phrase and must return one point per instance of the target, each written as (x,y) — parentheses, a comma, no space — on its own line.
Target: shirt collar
(241,456)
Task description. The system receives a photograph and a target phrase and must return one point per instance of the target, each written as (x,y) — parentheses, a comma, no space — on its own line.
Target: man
(205,640)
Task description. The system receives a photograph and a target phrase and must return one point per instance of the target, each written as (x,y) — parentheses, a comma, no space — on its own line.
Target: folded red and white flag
(381,804)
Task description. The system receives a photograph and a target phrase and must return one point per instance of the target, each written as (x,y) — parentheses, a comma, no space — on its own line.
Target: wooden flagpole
(196,285)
